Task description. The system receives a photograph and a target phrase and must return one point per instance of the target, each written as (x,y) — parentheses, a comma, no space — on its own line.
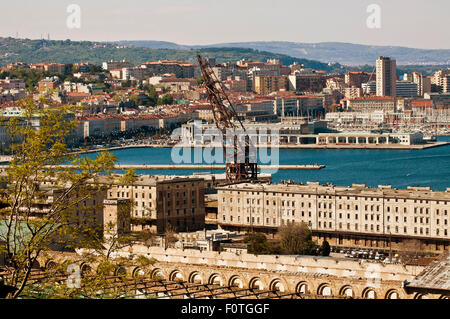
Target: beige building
(160,201)
(386,76)
(116,217)
(84,210)
(441,79)
(369,104)
(49,67)
(353,92)
(423,83)
(445,87)
(265,85)
(356,79)
(346,216)
(115,65)
(181,69)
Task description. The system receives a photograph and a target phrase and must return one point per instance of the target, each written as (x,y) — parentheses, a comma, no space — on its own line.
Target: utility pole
(390,246)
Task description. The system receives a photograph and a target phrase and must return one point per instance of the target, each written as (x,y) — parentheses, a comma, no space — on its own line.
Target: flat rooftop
(354,190)
(152,180)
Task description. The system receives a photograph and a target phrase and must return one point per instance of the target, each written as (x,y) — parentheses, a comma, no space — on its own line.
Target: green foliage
(144,261)
(32,77)
(34,51)
(296,239)
(258,244)
(129,177)
(40,197)
(167,99)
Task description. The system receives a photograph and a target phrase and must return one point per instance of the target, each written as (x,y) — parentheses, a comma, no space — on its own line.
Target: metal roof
(436,276)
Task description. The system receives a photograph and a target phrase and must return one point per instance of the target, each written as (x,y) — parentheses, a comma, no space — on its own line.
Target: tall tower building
(386,76)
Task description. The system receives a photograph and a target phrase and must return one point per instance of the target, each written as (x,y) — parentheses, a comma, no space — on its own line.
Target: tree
(43,201)
(325,249)
(296,239)
(135,98)
(170,236)
(167,99)
(257,243)
(102,253)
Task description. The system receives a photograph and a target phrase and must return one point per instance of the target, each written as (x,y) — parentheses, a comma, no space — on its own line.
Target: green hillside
(33,51)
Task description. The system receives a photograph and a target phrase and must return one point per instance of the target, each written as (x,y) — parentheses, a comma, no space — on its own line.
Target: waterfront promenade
(205,167)
(214,166)
(289,146)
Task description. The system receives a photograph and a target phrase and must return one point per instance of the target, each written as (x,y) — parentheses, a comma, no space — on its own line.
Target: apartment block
(115,65)
(181,69)
(265,85)
(49,67)
(369,104)
(406,89)
(356,79)
(159,202)
(386,76)
(346,216)
(441,79)
(307,81)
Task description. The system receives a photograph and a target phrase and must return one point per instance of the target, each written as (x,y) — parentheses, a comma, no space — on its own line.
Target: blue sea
(399,168)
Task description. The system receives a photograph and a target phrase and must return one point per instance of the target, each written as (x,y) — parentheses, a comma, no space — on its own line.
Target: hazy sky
(413,23)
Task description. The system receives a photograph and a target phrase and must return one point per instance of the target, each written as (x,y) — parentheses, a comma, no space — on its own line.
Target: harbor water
(399,168)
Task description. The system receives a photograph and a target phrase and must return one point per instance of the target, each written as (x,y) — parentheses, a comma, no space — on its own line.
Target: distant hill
(343,53)
(33,51)
(154,44)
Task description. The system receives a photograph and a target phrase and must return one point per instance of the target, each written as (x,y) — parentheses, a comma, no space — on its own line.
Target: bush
(296,239)
(258,244)
(325,249)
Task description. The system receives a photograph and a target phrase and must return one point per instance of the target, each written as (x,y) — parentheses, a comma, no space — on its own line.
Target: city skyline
(196,22)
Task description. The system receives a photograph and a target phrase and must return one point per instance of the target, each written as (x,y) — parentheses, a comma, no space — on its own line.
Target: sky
(412,23)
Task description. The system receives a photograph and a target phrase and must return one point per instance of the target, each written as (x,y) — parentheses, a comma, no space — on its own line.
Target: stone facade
(382,214)
(159,201)
(311,276)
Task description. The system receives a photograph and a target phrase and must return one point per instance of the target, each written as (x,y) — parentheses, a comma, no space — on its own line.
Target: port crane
(240,164)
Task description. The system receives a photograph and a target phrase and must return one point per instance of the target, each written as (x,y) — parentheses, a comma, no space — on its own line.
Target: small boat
(432,138)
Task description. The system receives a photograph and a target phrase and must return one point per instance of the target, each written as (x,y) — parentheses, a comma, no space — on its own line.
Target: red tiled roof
(422,103)
(178,80)
(79,94)
(167,62)
(370,98)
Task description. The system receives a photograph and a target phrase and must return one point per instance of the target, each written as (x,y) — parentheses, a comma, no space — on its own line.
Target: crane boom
(238,167)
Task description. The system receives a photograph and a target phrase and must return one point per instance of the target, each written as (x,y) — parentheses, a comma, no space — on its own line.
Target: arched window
(324,290)
(302,288)
(392,294)
(235,281)
(369,293)
(277,285)
(256,283)
(347,291)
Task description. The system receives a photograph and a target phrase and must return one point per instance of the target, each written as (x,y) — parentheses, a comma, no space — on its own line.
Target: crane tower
(240,164)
